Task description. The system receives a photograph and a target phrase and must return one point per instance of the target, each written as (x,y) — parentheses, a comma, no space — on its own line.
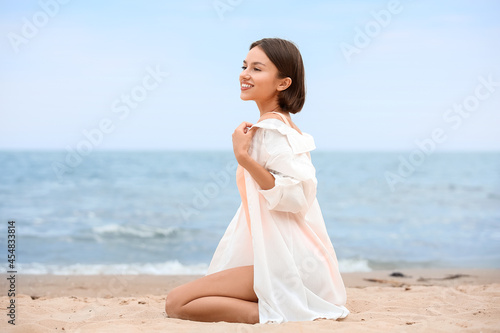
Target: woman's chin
(245,97)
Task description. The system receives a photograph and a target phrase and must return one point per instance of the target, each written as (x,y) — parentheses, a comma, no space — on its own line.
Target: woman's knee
(173,303)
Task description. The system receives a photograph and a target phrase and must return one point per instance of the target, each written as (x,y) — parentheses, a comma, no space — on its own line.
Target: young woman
(275,262)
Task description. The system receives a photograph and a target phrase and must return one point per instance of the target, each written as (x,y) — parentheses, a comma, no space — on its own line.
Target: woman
(275,262)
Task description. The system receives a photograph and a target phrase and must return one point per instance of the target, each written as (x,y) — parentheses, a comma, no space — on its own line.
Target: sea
(164,212)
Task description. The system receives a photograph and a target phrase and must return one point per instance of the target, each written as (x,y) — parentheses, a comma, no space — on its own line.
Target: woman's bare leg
(224,296)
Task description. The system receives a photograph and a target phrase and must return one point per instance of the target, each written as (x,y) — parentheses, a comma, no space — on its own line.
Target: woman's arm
(290,185)
(242,137)
(263,177)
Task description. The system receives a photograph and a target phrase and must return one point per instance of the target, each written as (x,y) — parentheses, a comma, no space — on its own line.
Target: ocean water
(165,212)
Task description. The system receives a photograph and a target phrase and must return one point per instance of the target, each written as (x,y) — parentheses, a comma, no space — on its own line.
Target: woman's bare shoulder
(270,117)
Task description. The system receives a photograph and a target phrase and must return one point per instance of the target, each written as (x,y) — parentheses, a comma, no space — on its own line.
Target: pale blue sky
(66,77)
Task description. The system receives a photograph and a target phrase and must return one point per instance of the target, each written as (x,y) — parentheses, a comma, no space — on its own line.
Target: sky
(156,75)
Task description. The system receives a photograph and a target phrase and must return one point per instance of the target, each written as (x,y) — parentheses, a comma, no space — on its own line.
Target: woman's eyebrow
(255,63)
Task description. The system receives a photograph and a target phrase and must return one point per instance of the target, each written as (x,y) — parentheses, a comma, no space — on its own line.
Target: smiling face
(259,80)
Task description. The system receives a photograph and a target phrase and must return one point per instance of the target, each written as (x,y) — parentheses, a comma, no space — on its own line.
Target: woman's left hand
(242,137)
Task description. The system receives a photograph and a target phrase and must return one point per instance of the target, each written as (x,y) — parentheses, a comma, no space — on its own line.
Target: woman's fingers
(242,138)
(251,131)
(243,127)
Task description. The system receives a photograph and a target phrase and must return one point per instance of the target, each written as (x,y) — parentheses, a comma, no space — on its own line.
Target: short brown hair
(286,57)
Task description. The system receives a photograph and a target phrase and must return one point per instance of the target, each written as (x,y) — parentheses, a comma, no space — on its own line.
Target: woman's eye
(256,69)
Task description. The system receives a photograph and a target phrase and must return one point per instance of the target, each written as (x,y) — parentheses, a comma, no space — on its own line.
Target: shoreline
(427,300)
(50,285)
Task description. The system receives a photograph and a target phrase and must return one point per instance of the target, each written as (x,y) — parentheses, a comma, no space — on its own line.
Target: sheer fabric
(282,233)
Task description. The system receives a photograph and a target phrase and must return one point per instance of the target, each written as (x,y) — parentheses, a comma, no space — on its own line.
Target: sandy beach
(444,300)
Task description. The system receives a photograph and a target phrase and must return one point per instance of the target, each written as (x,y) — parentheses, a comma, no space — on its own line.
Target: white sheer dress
(282,233)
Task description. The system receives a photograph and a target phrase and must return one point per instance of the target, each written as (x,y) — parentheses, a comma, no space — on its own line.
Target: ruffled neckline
(300,143)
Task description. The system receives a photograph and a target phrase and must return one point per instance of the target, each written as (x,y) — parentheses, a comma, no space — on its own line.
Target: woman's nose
(244,74)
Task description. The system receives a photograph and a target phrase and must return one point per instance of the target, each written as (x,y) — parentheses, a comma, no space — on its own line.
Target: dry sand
(449,300)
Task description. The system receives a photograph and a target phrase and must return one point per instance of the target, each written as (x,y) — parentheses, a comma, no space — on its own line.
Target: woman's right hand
(242,138)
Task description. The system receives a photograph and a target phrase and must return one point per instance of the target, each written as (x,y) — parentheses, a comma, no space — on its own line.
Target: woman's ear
(284,84)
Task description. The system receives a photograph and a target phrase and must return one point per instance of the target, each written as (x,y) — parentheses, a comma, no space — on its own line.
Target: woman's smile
(245,86)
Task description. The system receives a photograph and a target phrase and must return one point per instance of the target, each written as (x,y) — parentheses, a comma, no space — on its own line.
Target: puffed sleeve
(295,177)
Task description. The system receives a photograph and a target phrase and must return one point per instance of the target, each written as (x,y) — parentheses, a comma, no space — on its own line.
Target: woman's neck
(269,106)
